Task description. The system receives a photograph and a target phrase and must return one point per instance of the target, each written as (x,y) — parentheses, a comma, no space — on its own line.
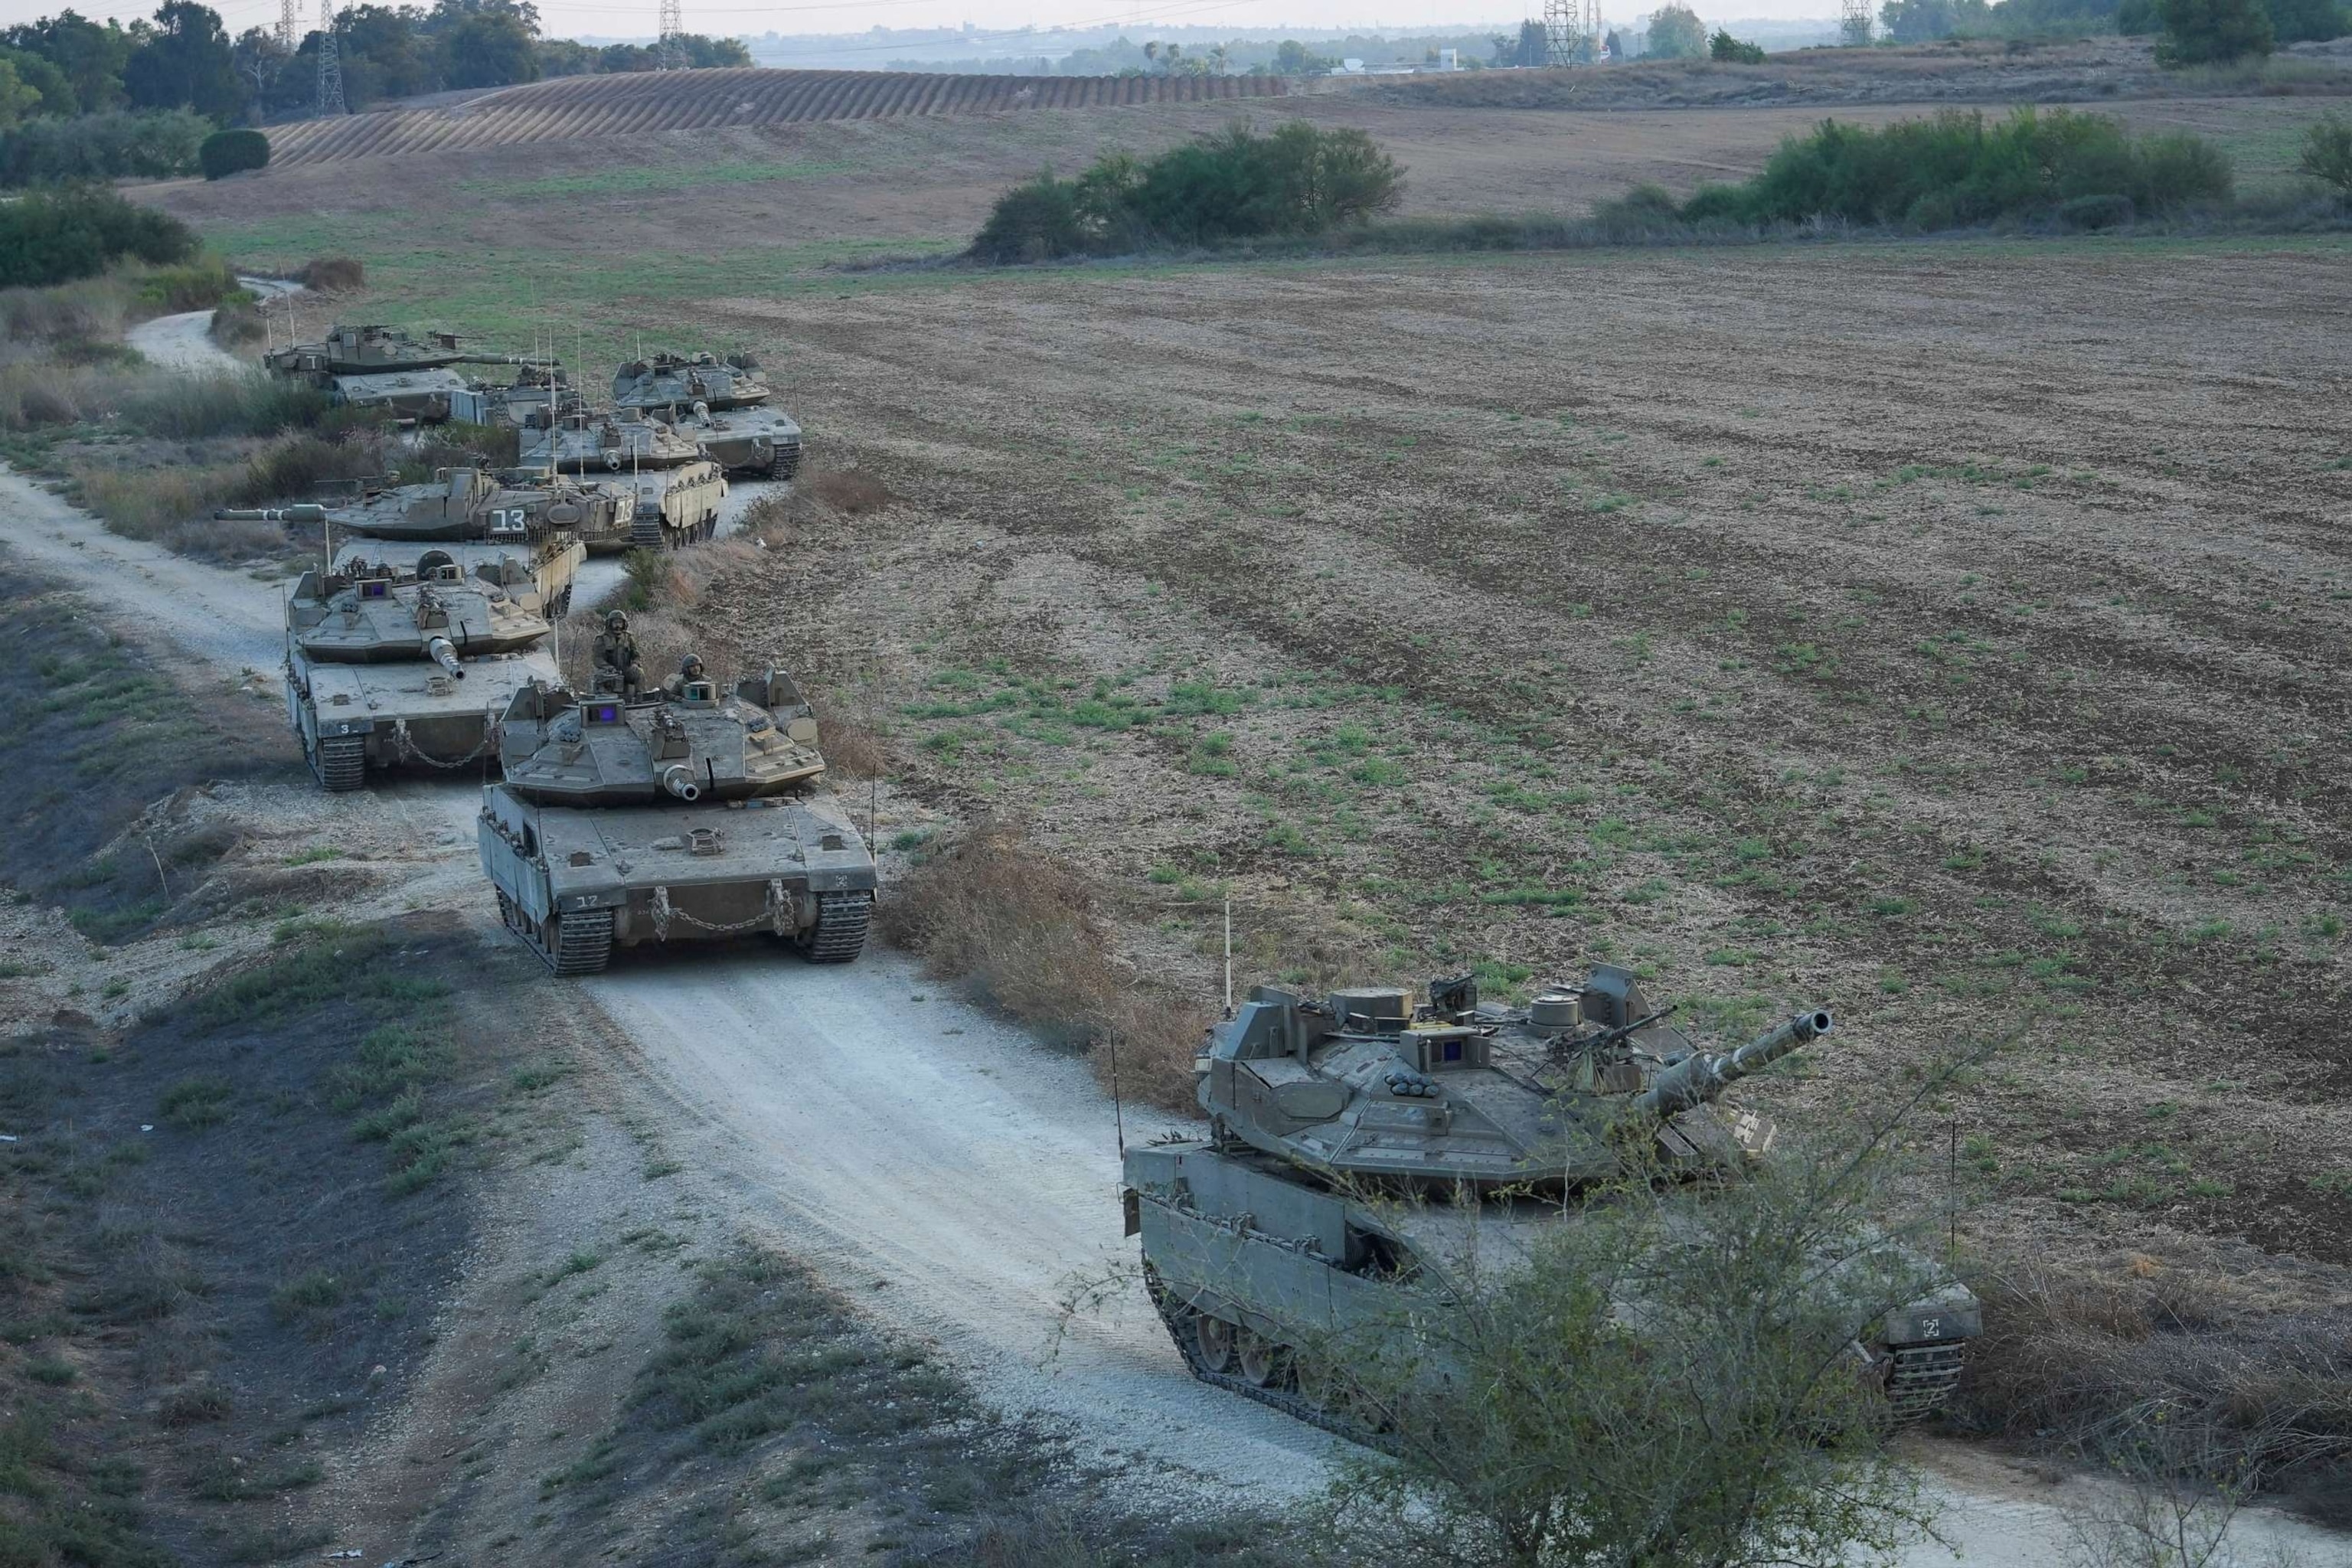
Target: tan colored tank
(538,574)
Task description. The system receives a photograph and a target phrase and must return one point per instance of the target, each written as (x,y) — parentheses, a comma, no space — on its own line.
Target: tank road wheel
(839,934)
(1262,1359)
(1213,1339)
(340,762)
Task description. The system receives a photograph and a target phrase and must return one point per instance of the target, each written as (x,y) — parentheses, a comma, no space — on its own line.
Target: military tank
(382,368)
(460,505)
(758,442)
(1265,1241)
(583,443)
(719,403)
(538,574)
(388,669)
(681,380)
(689,818)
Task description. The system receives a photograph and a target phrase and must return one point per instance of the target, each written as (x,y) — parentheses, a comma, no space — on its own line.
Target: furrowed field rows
(578,107)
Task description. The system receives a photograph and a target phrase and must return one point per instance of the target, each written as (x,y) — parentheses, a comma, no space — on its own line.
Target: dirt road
(940,1166)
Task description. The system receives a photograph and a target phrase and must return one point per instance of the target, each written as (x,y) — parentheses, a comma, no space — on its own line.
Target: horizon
(615,20)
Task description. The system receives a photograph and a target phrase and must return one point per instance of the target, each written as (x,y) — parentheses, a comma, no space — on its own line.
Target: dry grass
(855,491)
(2096,1363)
(1032,937)
(331,274)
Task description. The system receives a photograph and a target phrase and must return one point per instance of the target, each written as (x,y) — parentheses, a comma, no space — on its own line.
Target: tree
(52,93)
(1678,34)
(2327,152)
(1734,51)
(1292,57)
(2213,32)
(17,97)
(1668,1378)
(2309,21)
(185,63)
(488,48)
(89,57)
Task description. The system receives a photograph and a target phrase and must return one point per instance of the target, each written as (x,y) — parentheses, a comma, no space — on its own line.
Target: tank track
(840,932)
(646,533)
(583,941)
(1922,1378)
(1175,1316)
(787,462)
(341,763)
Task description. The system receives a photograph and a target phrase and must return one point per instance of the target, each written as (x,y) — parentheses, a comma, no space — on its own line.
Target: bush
(226,153)
(1955,170)
(2327,152)
(1734,51)
(2309,21)
(1234,184)
(2213,32)
(154,146)
(54,237)
(331,274)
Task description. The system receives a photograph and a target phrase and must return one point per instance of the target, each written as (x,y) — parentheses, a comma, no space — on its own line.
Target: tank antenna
(1229,955)
(1118,1111)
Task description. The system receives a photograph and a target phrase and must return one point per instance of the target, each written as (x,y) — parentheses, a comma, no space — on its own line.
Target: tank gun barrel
(309,511)
(1700,1077)
(442,652)
(678,780)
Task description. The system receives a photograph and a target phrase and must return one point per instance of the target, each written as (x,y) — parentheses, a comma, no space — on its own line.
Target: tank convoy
(1266,1242)
(720,404)
(696,815)
(386,668)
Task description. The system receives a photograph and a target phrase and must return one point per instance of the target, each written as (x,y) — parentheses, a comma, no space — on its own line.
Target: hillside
(583,107)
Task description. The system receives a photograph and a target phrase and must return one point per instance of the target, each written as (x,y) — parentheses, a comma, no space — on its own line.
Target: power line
(330,67)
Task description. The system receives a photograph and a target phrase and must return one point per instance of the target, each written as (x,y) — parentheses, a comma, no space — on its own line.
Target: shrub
(1676,34)
(331,274)
(226,153)
(1955,169)
(56,237)
(2309,21)
(155,146)
(1734,51)
(2327,152)
(2213,32)
(1234,184)
(1026,934)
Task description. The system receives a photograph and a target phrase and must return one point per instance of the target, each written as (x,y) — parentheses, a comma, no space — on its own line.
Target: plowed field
(592,107)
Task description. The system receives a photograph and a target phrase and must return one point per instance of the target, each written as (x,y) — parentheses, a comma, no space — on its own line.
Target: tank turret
(1583,1086)
(680,381)
(582,443)
(370,616)
(699,744)
(459,505)
(363,350)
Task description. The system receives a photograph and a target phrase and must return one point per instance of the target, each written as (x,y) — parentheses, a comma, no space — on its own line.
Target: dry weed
(237,323)
(1030,936)
(331,274)
(2089,1361)
(852,490)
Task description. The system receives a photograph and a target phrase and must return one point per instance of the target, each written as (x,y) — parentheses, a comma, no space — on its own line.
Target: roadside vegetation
(48,238)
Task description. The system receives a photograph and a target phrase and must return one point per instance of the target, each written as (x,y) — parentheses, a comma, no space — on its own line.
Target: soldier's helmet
(616,622)
(690,666)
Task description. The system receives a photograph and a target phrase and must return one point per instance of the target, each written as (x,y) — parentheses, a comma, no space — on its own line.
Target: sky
(626,19)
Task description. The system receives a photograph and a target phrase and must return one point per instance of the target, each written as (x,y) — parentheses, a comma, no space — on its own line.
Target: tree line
(182,61)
